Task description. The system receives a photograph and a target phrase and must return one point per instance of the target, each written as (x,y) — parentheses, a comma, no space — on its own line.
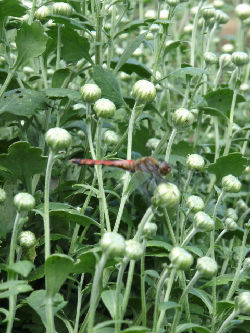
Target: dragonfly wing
(137,179)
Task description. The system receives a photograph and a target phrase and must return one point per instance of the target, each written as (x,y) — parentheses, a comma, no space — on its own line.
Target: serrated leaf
(57,268)
(75,47)
(133,66)
(233,164)
(22,103)
(11,8)
(129,51)
(22,267)
(109,300)
(23,161)
(110,88)
(30,41)
(63,92)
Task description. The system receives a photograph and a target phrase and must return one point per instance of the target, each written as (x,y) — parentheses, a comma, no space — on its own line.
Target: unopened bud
(232,214)
(3,195)
(24,202)
(227,48)
(225,60)
(221,17)
(133,250)
(195,203)
(27,239)
(210,58)
(195,162)
(240,58)
(42,12)
(90,92)
(111,138)
(231,184)
(230,224)
(104,108)
(57,139)
(113,244)
(203,222)
(243,11)
(180,258)
(150,229)
(182,118)
(207,267)
(166,195)
(144,91)
(62,8)
(243,302)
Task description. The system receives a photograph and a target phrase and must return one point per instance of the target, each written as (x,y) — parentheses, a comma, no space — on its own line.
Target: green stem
(220,236)
(46,204)
(112,33)
(95,291)
(128,287)
(166,298)
(44,73)
(7,80)
(170,143)
(32,12)
(194,31)
(50,325)
(58,47)
(169,226)
(79,302)
(240,261)
(189,236)
(217,78)
(216,138)
(227,321)
(147,217)
(143,292)
(157,297)
(98,43)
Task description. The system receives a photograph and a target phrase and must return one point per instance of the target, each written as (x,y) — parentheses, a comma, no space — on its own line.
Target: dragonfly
(148,165)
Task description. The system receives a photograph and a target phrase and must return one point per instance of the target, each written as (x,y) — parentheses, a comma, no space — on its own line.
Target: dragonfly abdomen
(124,164)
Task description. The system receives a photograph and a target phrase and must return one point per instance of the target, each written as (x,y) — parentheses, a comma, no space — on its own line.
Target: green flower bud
(124,76)
(133,250)
(24,202)
(172,3)
(42,12)
(166,195)
(144,91)
(195,161)
(218,4)
(207,267)
(149,36)
(138,52)
(208,12)
(227,48)
(182,118)
(154,28)
(240,58)
(90,92)
(232,214)
(180,258)
(245,87)
(210,58)
(104,108)
(150,229)
(230,224)
(188,28)
(3,195)
(231,184)
(113,244)
(27,239)
(57,139)
(203,222)
(241,205)
(152,143)
(111,138)
(62,8)
(221,17)
(195,203)
(150,14)
(225,60)
(246,264)
(243,11)
(243,302)
(164,13)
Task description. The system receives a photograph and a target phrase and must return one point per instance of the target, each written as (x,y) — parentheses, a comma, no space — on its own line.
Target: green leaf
(131,26)
(220,280)
(75,47)
(196,250)
(37,300)
(69,22)
(14,288)
(172,46)
(233,164)
(129,51)
(108,298)
(7,208)
(59,77)
(23,161)
(30,41)
(224,305)
(168,305)
(159,244)
(139,329)
(22,267)
(195,327)
(203,296)
(22,103)
(221,100)
(63,92)
(133,66)
(106,80)
(11,8)
(182,72)
(213,112)
(57,269)
(85,263)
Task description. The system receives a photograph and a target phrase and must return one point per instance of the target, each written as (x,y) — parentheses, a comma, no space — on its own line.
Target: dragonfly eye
(164,168)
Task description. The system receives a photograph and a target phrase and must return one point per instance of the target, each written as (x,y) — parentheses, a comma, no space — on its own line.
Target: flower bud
(188,28)
(150,14)
(113,244)
(225,60)
(166,195)
(3,195)
(180,258)
(227,48)
(62,8)
(150,229)
(210,58)
(182,118)
(164,14)
(195,203)
(218,4)
(221,17)
(104,108)
(124,76)
(172,3)
(245,87)
(241,205)
(203,222)
(207,267)
(138,52)
(232,214)
(111,138)
(195,161)
(154,28)
(231,184)
(90,92)
(144,91)
(152,143)
(240,58)
(208,12)
(243,302)
(230,224)
(24,202)
(57,139)
(27,239)
(42,12)
(243,11)
(246,264)
(133,250)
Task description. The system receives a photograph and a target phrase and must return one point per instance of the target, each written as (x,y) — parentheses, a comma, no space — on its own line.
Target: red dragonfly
(145,164)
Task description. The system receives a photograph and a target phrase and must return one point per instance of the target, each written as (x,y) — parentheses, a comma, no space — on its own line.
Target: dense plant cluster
(88,247)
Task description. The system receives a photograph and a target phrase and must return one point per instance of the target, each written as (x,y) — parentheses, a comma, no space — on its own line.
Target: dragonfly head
(164,168)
